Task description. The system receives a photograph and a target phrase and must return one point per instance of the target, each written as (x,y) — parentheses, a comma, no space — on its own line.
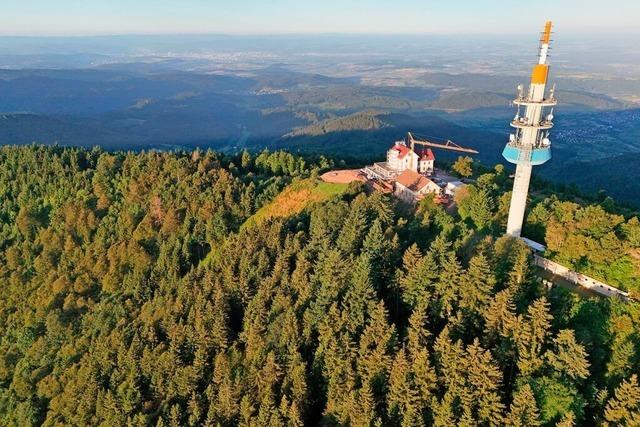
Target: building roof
(455,184)
(402,149)
(413,180)
(385,166)
(426,154)
(538,247)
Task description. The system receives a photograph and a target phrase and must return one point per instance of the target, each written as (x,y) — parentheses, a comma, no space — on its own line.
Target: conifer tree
(531,335)
(353,231)
(568,358)
(624,407)
(523,411)
(417,332)
(175,416)
(362,406)
(417,277)
(375,246)
(478,284)
(403,397)
(440,248)
(360,297)
(245,162)
(500,317)
(424,378)
(567,420)
(225,406)
(376,347)
(483,383)
(246,411)
(447,288)
(443,411)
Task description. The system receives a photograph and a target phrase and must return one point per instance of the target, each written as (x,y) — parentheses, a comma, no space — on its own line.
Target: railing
(526,101)
(545,124)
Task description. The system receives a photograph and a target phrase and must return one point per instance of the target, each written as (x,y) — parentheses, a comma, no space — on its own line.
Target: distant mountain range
(351,122)
(136,105)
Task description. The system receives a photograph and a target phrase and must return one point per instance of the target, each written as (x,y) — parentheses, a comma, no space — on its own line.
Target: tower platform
(519,154)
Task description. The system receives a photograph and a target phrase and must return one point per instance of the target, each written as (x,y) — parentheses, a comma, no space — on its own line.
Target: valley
(348,97)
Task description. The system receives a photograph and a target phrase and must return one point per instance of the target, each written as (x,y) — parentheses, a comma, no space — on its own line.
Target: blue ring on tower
(520,156)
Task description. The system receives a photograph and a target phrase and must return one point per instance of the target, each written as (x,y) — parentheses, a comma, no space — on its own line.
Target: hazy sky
(87,17)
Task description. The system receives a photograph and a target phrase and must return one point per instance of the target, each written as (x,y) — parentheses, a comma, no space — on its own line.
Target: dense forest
(139,289)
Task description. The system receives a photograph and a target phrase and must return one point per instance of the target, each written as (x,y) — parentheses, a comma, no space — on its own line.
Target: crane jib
(448,145)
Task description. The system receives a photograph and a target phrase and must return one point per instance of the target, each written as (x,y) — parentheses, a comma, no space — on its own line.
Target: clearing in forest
(295,198)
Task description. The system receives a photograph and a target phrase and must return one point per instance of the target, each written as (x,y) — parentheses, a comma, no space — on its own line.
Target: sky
(100,17)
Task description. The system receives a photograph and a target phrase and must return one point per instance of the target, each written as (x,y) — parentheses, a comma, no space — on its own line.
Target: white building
(411,187)
(400,158)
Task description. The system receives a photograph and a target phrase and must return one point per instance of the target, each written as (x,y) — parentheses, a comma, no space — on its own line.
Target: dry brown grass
(295,198)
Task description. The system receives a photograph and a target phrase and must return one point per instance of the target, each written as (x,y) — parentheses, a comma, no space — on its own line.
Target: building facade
(401,158)
(411,187)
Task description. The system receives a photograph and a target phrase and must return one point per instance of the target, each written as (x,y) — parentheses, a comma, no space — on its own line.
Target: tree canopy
(135,293)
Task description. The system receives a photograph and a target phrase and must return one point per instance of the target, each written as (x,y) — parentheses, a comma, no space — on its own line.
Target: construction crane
(448,145)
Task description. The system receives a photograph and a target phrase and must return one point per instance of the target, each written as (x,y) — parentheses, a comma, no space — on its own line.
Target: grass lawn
(295,198)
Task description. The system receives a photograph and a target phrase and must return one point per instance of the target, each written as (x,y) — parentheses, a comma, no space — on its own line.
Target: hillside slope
(349,311)
(352,122)
(295,198)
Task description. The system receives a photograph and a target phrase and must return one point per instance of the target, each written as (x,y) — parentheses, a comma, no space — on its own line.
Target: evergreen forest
(166,289)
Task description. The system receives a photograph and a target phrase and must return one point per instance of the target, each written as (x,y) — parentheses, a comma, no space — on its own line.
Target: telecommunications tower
(529,145)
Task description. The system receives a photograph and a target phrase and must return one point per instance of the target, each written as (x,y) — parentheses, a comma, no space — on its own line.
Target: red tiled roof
(412,180)
(403,150)
(426,154)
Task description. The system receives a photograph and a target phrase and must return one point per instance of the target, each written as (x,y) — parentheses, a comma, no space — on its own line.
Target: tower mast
(529,145)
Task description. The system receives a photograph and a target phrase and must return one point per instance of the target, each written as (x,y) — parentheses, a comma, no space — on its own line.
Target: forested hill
(133,293)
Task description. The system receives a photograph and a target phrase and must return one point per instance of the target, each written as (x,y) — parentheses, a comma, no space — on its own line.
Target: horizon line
(617,32)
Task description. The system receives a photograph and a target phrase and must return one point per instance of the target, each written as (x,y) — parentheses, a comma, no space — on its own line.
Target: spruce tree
(353,231)
(478,283)
(416,279)
(360,296)
(531,336)
(448,286)
(624,407)
(568,358)
(567,420)
(523,411)
(402,397)
(417,332)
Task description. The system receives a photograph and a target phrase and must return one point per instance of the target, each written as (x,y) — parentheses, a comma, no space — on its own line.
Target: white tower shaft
(529,136)
(518,200)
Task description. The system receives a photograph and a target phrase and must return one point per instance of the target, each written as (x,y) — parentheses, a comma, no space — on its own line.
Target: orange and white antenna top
(546,35)
(541,70)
